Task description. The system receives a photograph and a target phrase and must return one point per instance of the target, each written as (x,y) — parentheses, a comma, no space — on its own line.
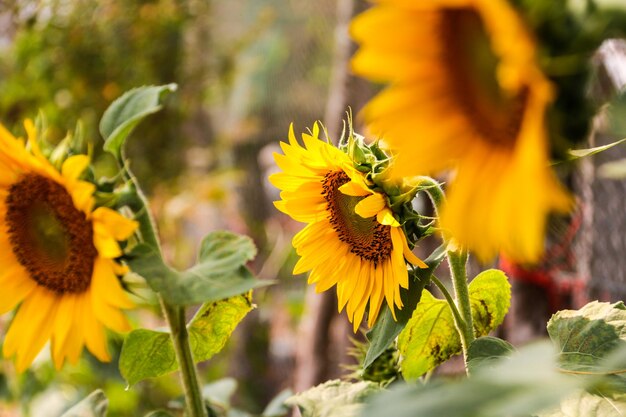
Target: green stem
(175,315)
(176,319)
(458,319)
(457,259)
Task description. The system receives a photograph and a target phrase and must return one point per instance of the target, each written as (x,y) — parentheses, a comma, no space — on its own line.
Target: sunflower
(352,239)
(57,256)
(465,92)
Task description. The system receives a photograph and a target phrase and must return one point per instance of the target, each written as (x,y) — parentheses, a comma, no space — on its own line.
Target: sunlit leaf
(430,337)
(94,405)
(149,353)
(126,112)
(490,298)
(333,399)
(213,324)
(582,153)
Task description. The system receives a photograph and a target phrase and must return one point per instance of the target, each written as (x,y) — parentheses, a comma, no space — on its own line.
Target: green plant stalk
(455,311)
(178,329)
(457,259)
(174,315)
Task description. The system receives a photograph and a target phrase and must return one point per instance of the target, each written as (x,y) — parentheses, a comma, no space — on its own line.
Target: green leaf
(429,339)
(490,298)
(386,329)
(485,350)
(149,353)
(582,153)
(219,273)
(587,336)
(127,111)
(333,399)
(146,354)
(213,324)
(224,250)
(94,405)
(584,404)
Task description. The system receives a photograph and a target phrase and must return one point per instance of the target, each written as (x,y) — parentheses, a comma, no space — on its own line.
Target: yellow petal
(74,166)
(370,206)
(105,283)
(110,316)
(95,338)
(355,189)
(117,225)
(31,328)
(408,254)
(106,245)
(385,217)
(65,316)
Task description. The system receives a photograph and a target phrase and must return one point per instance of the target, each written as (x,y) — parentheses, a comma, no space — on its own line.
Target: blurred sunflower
(465,92)
(352,239)
(57,256)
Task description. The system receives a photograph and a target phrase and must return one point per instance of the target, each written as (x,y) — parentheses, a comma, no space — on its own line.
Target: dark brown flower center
(470,65)
(50,238)
(367,238)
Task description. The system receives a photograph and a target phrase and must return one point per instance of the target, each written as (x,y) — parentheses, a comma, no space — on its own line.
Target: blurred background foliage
(245,70)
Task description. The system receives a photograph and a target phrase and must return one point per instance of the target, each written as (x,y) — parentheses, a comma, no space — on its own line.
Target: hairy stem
(178,330)
(458,319)
(457,259)
(175,315)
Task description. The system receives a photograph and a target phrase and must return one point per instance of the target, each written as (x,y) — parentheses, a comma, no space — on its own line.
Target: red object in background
(556,271)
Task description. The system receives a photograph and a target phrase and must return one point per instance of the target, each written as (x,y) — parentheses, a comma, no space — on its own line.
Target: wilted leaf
(333,399)
(490,298)
(213,324)
(126,112)
(430,337)
(94,405)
